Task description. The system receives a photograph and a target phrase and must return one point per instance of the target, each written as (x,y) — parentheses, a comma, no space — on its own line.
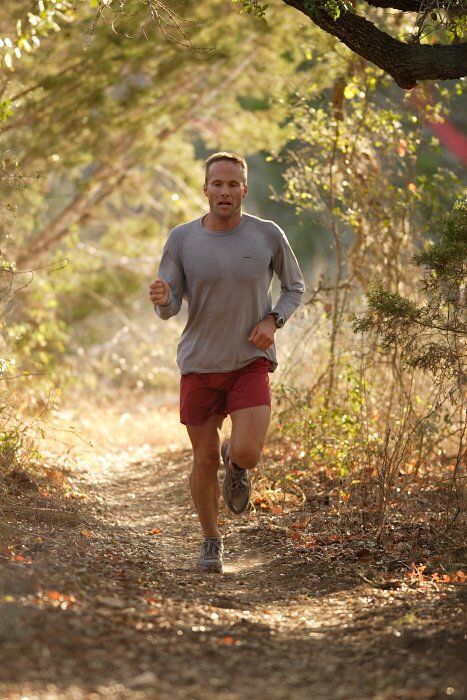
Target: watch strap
(278,320)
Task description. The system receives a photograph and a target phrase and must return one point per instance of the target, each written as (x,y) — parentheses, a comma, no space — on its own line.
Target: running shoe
(211,555)
(237,484)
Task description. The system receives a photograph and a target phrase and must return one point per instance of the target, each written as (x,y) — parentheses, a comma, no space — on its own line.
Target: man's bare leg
(242,453)
(249,429)
(204,484)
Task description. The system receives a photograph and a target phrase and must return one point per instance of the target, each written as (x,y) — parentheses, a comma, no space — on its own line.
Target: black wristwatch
(278,320)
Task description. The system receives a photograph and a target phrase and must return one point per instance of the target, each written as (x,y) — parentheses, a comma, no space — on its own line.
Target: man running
(222,263)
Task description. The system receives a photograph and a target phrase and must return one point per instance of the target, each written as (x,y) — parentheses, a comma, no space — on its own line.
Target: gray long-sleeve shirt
(225,276)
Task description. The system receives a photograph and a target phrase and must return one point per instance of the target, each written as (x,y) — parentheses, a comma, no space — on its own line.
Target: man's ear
(245,191)
(205,189)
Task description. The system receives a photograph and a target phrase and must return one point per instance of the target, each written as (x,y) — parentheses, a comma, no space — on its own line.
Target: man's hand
(262,334)
(159,292)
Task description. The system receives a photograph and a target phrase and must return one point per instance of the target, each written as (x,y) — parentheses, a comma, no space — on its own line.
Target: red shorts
(205,394)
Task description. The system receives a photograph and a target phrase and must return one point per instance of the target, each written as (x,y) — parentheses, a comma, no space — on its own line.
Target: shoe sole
(212,569)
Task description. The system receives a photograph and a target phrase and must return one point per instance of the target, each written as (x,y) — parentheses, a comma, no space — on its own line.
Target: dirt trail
(111,607)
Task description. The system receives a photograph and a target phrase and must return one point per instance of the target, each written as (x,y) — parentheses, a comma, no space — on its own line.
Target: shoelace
(212,548)
(239,479)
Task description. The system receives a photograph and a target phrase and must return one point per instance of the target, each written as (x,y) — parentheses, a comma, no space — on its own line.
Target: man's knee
(246,456)
(206,459)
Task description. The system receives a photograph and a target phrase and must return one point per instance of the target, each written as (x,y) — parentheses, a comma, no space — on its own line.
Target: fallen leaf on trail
(262,503)
(300,524)
(458,577)
(18,557)
(363,554)
(277,510)
(85,533)
(56,595)
(55,475)
(294,535)
(155,531)
(227,641)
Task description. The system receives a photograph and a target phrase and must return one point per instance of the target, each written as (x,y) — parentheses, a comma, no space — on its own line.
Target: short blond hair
(226,155)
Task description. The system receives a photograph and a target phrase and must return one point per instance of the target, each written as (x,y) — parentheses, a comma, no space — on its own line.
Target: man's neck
(214,223)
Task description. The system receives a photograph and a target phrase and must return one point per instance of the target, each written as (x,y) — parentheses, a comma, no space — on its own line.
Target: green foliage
(447,258)
(354,166)
(11,442)
(456,26)
(333,8)
(252,7)
(6,110)
(42,18)
(429,334)
(337,438)
(251,103)
(387,304)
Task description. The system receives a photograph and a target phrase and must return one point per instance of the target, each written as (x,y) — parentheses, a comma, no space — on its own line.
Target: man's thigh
(249,429)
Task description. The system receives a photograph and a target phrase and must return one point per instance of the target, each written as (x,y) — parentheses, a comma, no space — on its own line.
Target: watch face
(278,320)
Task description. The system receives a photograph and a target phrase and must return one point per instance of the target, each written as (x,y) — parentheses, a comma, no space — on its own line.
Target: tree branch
(402,5)
(406,63)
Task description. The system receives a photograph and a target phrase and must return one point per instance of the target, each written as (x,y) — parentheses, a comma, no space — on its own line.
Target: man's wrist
(166,304)
(278,320)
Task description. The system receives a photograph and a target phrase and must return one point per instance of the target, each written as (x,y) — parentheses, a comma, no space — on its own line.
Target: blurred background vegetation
(104,125)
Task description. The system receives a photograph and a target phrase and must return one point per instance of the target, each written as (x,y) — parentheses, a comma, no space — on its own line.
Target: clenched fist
(262,334)
(159,292)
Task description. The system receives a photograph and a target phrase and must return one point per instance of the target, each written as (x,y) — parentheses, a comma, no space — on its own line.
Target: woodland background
(105,120)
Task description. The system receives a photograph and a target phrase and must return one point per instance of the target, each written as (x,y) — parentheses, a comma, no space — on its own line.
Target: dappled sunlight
(140,427)
(245,565)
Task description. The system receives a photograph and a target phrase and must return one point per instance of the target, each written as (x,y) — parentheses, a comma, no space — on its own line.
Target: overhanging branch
(406,63)
(402,5)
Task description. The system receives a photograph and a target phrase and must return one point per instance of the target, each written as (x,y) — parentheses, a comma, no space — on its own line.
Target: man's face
(225,188)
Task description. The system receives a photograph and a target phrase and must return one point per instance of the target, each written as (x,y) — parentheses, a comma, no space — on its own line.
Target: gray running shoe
(237,485)
(211,555)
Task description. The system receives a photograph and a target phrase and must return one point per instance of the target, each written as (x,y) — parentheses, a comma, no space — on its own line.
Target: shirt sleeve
(287,269)
(171,270)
